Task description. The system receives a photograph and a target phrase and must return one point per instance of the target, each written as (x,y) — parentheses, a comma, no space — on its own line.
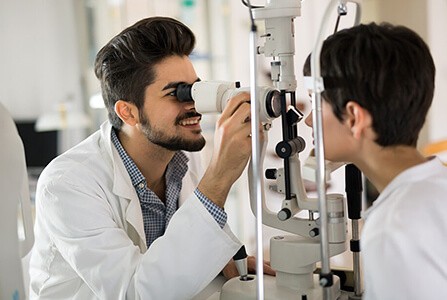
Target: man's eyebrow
(172,85)
(175,84)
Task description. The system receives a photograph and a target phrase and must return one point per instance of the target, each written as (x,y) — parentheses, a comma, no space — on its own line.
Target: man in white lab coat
(379,83)
(127,214)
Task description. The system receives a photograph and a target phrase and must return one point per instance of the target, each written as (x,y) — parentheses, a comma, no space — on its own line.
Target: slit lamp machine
(323,233)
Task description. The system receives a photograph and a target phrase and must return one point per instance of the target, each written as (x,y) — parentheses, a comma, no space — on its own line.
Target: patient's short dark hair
(386,69)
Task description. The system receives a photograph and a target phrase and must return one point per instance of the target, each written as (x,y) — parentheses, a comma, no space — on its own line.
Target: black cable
(252,20)
(342,11)
(247,4)
(336,23)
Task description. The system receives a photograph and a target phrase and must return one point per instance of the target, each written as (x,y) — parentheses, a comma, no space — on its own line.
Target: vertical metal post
(256,163)
(318,87)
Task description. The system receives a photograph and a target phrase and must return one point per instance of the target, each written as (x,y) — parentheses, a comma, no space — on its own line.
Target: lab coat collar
(123,188)
(414,174)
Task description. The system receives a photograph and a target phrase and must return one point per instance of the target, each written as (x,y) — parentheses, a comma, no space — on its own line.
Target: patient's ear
(127,112)
(358,119)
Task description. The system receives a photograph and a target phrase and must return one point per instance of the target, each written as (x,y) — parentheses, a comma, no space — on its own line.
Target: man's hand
(232,149)
(230,269)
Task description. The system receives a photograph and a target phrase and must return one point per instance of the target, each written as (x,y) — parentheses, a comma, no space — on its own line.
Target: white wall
(39,64)
(437,39)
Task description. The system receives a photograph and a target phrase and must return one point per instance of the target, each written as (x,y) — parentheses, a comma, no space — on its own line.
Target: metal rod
(319,147)
(318,134)
(256,163)
(294,130)
(356,260)
(354,187)
(286,137)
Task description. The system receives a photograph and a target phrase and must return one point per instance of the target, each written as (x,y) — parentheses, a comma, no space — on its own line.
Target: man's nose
(189,105)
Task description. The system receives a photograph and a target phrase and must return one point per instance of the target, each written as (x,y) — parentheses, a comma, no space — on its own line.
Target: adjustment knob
(284,214)
(271,173)
(286,149)
(314,232)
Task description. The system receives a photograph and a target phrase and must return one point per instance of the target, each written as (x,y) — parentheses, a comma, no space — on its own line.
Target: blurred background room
(47,83)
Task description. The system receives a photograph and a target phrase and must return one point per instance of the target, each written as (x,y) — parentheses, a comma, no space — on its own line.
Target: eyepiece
(213,96)
(183,92)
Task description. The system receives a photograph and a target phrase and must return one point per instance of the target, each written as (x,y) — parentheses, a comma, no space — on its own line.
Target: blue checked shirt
(156,214)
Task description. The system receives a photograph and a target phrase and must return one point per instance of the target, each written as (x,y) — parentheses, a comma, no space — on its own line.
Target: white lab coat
(403,240)
(90,241)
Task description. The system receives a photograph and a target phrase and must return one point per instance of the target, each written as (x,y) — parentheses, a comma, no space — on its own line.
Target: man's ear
(358,119)
(127,112)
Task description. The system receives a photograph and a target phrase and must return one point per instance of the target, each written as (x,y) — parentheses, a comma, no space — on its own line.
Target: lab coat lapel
(124,190)
(192,177)
(188,186)
(130,203)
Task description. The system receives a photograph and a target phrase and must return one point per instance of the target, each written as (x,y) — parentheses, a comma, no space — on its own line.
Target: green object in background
(188,3)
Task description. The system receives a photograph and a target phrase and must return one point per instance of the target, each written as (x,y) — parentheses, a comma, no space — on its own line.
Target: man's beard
(173,143)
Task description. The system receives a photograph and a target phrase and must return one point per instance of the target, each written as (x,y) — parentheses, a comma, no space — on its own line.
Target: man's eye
(173,93)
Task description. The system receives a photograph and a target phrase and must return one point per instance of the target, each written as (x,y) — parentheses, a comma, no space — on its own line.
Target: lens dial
(273,103)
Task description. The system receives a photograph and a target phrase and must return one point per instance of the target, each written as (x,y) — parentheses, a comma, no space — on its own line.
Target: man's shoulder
(82,161)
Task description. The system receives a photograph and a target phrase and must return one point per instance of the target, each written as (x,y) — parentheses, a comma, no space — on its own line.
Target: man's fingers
(241,114)
(252,266)
(230,270)
(268,270)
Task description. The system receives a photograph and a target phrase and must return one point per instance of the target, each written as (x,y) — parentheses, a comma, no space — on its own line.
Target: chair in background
(438,148)
(14,203)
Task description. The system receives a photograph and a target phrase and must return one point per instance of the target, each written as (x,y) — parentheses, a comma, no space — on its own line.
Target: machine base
(236,289)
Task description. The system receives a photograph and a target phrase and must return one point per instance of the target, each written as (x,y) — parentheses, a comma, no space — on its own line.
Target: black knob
(286,149)
(314,232)
(284,214)
(271,173)
(283,149)
(299,144)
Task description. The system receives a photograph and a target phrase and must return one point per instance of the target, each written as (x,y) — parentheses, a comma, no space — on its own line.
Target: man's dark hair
(125,65)
(386,69)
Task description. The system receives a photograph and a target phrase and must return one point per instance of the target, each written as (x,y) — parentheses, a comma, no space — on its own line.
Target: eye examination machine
(323,233)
